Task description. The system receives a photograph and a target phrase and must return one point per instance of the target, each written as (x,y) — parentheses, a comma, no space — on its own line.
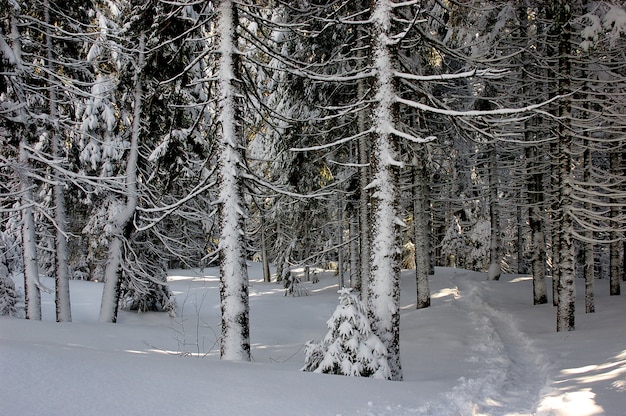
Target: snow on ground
(481,349)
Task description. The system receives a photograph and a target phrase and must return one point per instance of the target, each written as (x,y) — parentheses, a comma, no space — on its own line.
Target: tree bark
(267,277)
(535,221)
(614,245)
(384,284)
(235,340)
(421,233)
(495,245)
(564,225)
(587,246)
(62,276)
(32,295)
(361,281)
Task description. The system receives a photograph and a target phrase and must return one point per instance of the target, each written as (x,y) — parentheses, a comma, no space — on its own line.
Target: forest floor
(482,348)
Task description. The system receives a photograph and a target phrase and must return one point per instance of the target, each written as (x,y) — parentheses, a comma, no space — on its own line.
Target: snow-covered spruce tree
(10,264)
(8,294)
(350,347)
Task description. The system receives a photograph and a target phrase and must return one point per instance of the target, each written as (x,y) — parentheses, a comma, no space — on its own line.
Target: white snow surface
(482,348)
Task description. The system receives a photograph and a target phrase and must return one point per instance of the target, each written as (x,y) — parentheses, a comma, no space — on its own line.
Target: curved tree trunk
(113,271)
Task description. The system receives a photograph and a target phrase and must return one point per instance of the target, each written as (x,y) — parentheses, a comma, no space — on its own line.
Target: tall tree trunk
(384,284)
(340,259)
(587,245)
(614,245)
(235,340)
(564,225)
(495,242)
(354,249)
(122,220)
(521,263)
(267,277)
(554,221)
(32,295)
(624,213)
(535,221)
(421,232)
(62,276)
(361,282)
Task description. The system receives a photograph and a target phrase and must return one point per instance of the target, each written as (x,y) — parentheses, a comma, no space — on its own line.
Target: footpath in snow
(514,371)
(501,372)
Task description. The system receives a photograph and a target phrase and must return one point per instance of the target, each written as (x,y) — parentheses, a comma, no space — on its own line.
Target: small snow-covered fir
(10,262)
(350,347)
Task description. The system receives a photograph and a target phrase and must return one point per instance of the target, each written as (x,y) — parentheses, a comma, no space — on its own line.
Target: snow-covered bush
(10,263)
(477,241)
(8,295)
(452,245)
(350,347)
(147,295)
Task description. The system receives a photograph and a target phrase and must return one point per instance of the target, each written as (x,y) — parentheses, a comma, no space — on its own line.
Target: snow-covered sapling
(350,347)
(9,263)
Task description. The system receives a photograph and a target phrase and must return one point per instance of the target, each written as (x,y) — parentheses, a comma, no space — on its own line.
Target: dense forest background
(368,136)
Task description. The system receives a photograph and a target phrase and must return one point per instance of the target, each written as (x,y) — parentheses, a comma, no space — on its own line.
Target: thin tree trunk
(32,295)
(361,282)
(235,340)
(624,213)
(62,277)
(421,233)
(537,237)
(113,270)
(614,245)
(264,258)
(340,259)
(495,245)
(587,246)
(354,249)
(521,263)
(554,217)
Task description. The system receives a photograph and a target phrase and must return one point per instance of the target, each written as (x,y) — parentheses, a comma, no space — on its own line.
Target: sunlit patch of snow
(574,403)
(610,370)
(136,352)
(454,292)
